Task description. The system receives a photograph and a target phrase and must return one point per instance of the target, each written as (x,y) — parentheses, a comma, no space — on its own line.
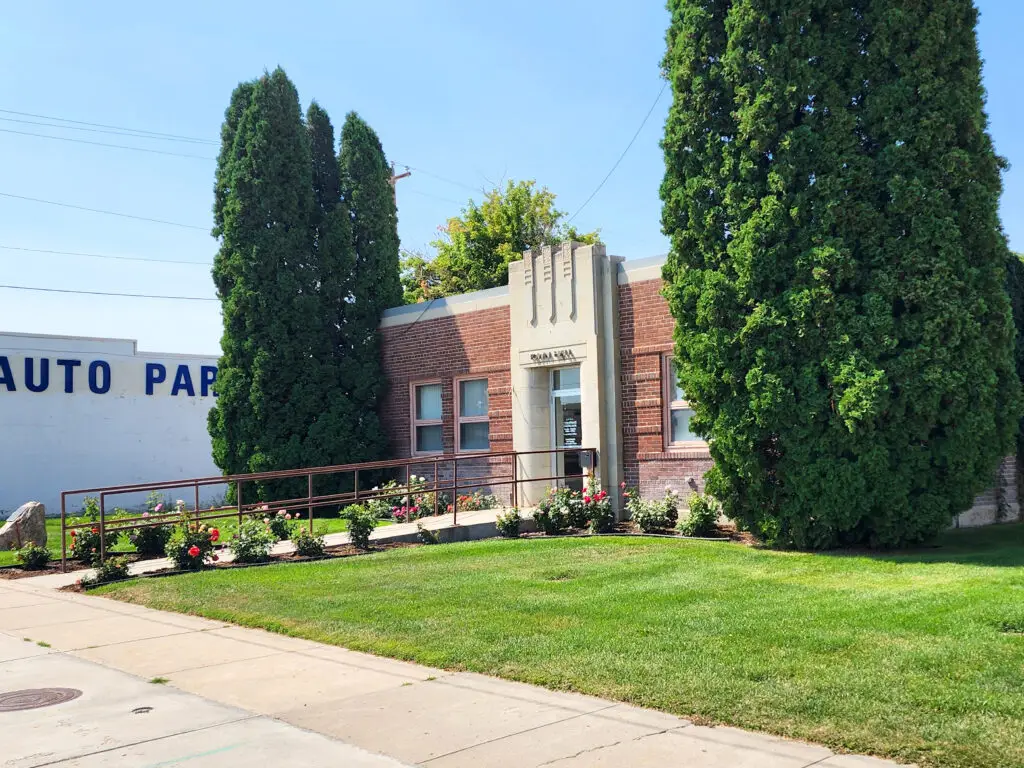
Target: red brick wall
(645,337)
(472,343)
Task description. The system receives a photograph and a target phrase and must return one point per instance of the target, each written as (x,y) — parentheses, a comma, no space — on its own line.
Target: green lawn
(320,525)
(904,655)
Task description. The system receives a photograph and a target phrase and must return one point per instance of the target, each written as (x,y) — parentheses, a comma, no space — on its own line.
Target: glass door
(566,425)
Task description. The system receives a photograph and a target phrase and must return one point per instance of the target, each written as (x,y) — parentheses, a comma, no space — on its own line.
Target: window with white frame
(473,431)
(677,410)
(426,417)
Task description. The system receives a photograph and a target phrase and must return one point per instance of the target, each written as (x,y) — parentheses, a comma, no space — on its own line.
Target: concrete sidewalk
(239,696)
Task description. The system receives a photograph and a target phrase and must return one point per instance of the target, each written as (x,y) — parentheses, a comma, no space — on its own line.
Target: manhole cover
(33,698)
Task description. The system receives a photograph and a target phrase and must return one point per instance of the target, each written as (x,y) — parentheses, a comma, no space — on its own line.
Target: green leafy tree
(837,266)
(269,380)
(475,248)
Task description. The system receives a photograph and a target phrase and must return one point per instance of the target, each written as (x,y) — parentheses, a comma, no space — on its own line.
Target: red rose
(214,535)
(586,499)
(215,558)
(193,551)
(95,530)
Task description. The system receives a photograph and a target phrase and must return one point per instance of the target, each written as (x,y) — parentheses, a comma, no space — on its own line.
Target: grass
(902,655)
(320,525)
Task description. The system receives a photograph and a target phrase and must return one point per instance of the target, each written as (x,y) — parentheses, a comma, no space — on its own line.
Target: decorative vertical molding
(569,273)
(531,288)
(548,276)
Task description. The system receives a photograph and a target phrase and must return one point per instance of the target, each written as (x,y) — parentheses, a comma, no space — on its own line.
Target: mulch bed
(17,572)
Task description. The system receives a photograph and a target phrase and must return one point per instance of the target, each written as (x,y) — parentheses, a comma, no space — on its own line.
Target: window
(474,429)
(678,411)
(426,417)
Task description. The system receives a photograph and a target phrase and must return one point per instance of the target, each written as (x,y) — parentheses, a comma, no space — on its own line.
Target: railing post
(437,491)
(515,480)
(309,496)
(63,534)
(103,527)
(355,487)
(196,503)
(455,491)
(238,499)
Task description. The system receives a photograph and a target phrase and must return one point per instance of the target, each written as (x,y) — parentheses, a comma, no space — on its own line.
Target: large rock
(27,523)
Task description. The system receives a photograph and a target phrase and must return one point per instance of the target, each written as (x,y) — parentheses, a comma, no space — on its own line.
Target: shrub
(85,542)
(561,509)
(111,569)
(703,517)
(361,522)
(280,524)
(252,541)
(190,545)
(427,536)
(596,506)
(651,516)
(508,523)
(32,557)
(308,544)
(474,502)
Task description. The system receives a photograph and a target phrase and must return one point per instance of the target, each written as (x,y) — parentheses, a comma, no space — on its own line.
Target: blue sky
(472,92)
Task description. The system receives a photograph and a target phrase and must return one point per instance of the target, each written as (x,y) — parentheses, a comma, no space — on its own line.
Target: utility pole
(394,180)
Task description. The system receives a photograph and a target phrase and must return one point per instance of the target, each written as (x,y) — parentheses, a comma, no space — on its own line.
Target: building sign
(570,430)
(534,358)
(72,374)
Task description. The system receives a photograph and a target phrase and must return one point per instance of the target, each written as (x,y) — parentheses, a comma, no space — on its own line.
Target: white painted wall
(55,440)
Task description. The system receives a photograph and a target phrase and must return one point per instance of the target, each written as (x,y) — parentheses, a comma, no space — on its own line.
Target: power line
(105,256)
(439,178)
(115,127)
(108,213)
(436,197)
(107,293)
(609,174)
(100,130)
(103,144)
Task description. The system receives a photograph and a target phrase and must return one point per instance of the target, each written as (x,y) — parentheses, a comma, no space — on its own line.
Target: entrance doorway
(567,425)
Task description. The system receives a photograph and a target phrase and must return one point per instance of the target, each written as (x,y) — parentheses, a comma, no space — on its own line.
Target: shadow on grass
(995,545)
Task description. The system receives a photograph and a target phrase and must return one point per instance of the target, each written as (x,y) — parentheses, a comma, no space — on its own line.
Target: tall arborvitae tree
(347,430)
(268,379)
(369,198)
(837,267)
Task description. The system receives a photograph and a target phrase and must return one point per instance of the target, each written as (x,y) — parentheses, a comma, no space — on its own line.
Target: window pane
(428,438)
(674,390)
(475,436)
(681,426)
(428,401)
(473,397)
(567,378)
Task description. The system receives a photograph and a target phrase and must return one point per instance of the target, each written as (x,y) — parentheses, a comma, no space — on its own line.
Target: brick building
(575,351)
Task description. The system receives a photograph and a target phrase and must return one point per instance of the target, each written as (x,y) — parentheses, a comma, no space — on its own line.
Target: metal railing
(438,484)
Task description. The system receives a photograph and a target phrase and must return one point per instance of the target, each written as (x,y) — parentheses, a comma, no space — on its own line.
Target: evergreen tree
(369,200)
(268,378)
(837,266)
(347,430)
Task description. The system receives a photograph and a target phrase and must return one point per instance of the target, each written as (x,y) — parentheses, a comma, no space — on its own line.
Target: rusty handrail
(312,501)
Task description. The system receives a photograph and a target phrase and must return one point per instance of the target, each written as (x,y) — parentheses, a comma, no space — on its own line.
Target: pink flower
(159,507)
(586,499)
(288,516)
(414,510)
(193,551)
(266,521)
(622,484)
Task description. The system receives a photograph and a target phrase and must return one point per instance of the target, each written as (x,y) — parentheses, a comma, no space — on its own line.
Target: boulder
(27,523)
